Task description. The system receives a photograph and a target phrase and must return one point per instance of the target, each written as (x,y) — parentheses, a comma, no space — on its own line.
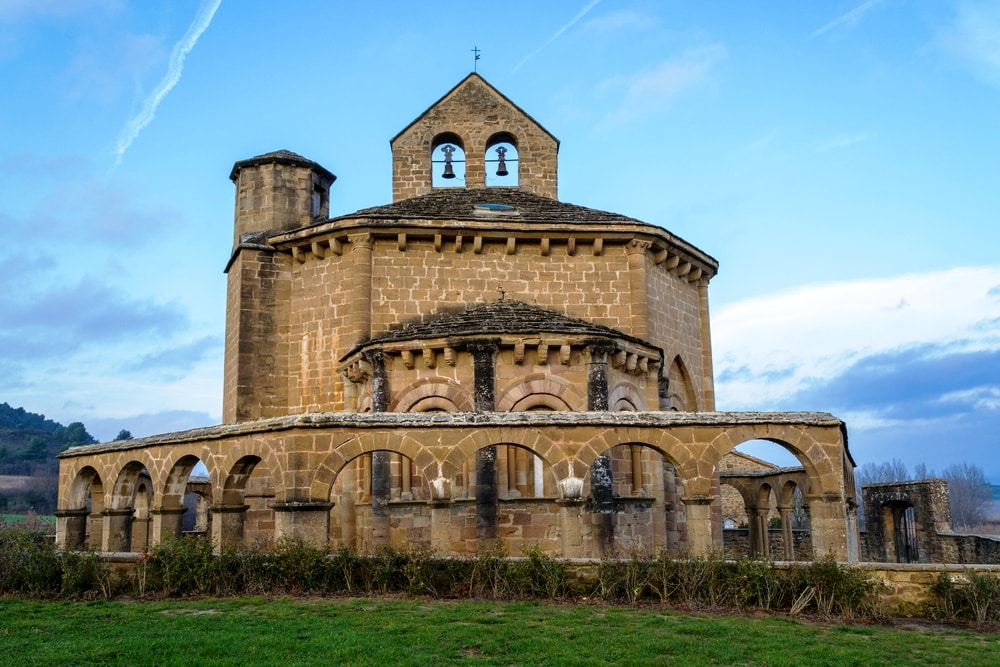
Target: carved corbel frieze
(319,249)
(542,354)
(449,356)
(430,358)
(407,357)
(565,351)
(298,254)
(519,352)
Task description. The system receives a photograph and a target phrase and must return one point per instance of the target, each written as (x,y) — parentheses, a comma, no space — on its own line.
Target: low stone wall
(908,588)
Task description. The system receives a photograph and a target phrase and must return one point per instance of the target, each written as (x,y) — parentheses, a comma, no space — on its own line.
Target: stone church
(476,361)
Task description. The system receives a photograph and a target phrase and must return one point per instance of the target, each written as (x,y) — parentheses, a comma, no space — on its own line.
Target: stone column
(308,521)
(787,537)
(828,524)
(348,513)
(166,522)
(484,381)
(117,529)
(571,526)
(707,369)
(380,380)
(638,488)
(71,529)
(227,525)
(381,491)
(699,524)
(638,300)
(521,470)
(440,525)
(600,471)
(361,288)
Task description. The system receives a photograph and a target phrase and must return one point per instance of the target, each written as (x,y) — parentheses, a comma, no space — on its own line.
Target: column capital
(360,241)
(638,246)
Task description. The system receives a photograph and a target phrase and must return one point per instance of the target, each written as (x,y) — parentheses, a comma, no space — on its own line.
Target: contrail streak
(560,31)
(134,126)
(850,18)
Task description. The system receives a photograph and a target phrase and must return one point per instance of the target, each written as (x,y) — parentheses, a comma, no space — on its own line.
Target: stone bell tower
(474,118)
(275,192)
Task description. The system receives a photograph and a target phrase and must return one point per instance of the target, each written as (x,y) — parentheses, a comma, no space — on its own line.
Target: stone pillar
(348,513)
(828,525)
(638,488)
(381,491)
(603,503)
(71,529)
(600,472)
(380,380)
(636,250)
(597,375)
(707,369)
(484,381)
(405,478)
(787,537)
(308,521)
(484,373)
(521,469)
(571,526)
(166,522)
(512,490)
(227,525)
(699,524)
(440,525)
(487,512)
(361,289)
(117,529)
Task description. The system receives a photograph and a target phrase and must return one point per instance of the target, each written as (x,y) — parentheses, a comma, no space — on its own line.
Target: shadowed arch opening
(379,498)
(447,161)
(679,387)
(635,495)
(85,504)
(502,160)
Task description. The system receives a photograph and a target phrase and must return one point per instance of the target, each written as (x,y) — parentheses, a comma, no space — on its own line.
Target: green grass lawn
(257,631)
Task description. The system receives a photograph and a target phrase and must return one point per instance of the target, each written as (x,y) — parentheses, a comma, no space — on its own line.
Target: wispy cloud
(974,38)
(625,19)
(558,33)
(174,70)
(652,90)
(841,141)
(847,20)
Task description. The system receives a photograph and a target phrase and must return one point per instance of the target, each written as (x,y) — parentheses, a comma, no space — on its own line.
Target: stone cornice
(480,420)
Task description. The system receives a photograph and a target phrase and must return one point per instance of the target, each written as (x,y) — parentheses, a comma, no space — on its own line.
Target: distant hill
(29,442)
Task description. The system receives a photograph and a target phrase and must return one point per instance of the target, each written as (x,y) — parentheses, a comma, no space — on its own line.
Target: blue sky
(839,159)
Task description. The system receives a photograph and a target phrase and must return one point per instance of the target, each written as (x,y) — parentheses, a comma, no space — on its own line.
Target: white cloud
(770,347)
(174,70)
(974,38)
(847,20)
(625,19)
(654,89)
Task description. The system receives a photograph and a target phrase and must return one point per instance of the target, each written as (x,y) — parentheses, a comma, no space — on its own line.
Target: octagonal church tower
(475,264)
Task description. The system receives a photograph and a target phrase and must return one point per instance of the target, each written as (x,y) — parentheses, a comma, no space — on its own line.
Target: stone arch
(123,493)
(176,482)
(680,388)
(540,391)
(82,517)
(626,397)
(442,159)
(431,394)
(507,160)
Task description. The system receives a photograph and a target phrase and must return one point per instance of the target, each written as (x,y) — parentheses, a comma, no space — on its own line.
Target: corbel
(437,243)
(458,243)
(401,242)
(407,357)
(544,247)
(336,247)
(543,354)
(519,352)
(598,247)
(297,253)
(319,250)
(511,245)
(449,356)
(477,244)
(429,357)
(564,354)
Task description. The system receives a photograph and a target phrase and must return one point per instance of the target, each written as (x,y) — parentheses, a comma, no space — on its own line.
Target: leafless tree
(969,494)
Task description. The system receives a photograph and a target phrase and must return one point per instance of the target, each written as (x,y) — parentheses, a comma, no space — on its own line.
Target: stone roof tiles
(497,318)
(282,156)
(459,204)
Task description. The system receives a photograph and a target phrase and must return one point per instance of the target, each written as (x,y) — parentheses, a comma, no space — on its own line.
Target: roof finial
(475,63)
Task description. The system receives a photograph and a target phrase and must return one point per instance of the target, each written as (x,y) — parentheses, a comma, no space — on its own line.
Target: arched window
(502,160)
(447,161)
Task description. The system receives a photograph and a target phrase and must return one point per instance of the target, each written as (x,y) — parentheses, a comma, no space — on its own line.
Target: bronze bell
(449,172)
(501,163)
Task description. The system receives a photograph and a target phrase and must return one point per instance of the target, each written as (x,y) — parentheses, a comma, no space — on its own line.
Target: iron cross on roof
(475,63)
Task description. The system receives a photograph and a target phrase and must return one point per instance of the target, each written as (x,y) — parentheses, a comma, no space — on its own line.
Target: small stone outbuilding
(476,361)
